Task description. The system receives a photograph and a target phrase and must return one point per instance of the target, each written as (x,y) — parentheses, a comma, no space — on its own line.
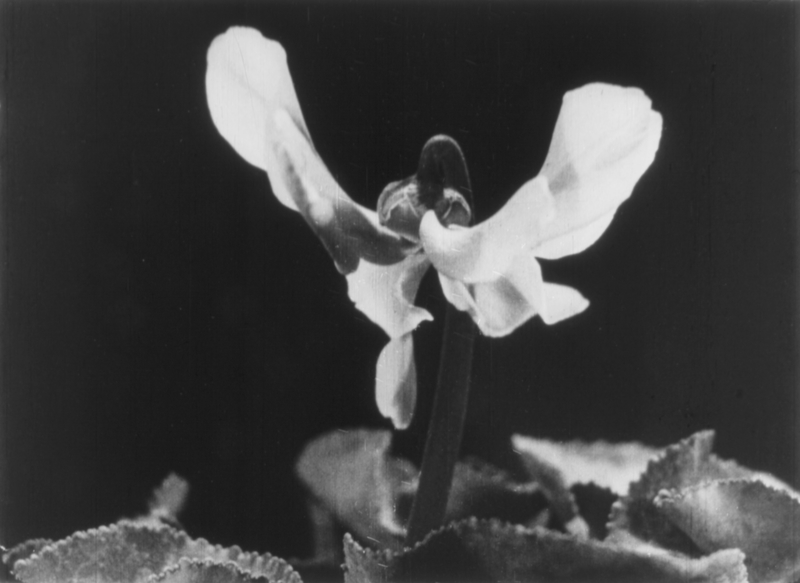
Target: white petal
(396,381)
(604,140)
(484,252)
(561,302)
(501,306)
(386,294)
(247,81)
(574,241)
(498,307)
(254,106)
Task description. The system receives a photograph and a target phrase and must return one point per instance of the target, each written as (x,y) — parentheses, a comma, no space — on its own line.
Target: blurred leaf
(198,571)
(558,466)
(169,498)
(479,550)
(609,465)
(481,490)
(353,476)
(683,465)
(130,552)
(759,520)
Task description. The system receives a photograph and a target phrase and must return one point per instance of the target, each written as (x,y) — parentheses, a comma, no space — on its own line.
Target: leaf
(130,552)
(609,465)
(683,465)
(761,521)
(480,550)
(24,550)
(483,491)
(559,466)
(196,571)
(352,475)
(169,498)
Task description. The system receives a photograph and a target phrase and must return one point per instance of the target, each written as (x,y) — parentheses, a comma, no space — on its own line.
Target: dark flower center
(441,184)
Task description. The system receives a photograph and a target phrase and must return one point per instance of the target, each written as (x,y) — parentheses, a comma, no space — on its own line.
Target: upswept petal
(254,106)
(396,381)
(484,252)
(604,139)
(499,307)
(247,81)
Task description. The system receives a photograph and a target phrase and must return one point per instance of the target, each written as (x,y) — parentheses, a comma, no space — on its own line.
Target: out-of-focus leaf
(483,491)
(478,550)
(353,476)
(169,498)
(683,465)
(759,520)
(199,571)
(129,552)
(558,466)
(609,465)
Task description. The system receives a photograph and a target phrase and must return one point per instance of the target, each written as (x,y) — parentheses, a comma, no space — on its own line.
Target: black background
(163,312)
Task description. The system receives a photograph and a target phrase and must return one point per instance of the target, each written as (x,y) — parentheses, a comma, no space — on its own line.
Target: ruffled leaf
(130,552)
(24,550)
(683,465)
(477,550)
(253,103)
(199,571)
(609,465)
(759,520)
(370,492)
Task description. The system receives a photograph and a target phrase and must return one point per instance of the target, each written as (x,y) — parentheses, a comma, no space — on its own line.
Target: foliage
(679,513)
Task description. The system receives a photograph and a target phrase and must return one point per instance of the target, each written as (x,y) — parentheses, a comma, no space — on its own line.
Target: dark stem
(446,426)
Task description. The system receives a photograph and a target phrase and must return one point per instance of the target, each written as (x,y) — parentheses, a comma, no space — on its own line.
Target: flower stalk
(446,426)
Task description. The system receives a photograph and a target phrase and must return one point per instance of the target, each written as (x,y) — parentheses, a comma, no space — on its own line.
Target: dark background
(161,311)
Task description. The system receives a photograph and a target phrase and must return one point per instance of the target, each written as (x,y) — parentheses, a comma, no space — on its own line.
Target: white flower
(604,140)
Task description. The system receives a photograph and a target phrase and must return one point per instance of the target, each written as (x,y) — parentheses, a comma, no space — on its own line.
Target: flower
(604,139)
